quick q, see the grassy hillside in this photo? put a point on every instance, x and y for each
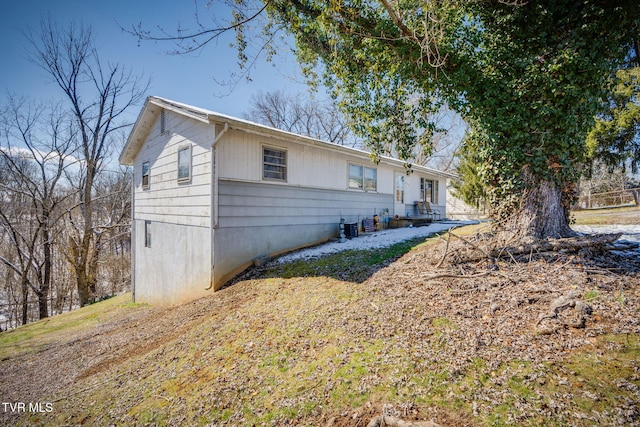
(339, 340)
(621, 216)
(37, 336)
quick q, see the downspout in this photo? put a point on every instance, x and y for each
(133, 239)
(214, 197)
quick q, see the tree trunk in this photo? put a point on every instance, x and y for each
(543, 212)
(84, 269)
(43, 307)
(25, 299)
(84, 294)
(45, 284)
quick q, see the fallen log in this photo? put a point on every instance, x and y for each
(568, 243)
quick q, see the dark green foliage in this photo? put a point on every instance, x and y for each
(615, 138)
(469, 187)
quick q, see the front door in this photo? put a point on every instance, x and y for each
(398, 203)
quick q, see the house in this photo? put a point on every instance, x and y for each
(213, 193)
(458, 209)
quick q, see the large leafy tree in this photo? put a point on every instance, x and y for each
(527, 76)
(615, 139)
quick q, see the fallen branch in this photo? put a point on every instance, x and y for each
(462, 291)
(446, 250)
(455, 276)
(472, 245)
(623, 246)
(569, 243)
(602, 241)
(385, 420)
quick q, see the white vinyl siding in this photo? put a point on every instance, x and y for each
(166, 199)
(163, 121)
(260, 218)
(240, 157)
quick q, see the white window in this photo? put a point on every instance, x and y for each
(274, 164)
(429, 190)
(184, 164)
(399, 188)
(362, 177)
(355, 176)
(147, 234)
(145, 175)
(370, 179)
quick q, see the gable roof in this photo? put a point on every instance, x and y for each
(153, 105)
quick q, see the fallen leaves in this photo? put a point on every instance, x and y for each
(403, 344)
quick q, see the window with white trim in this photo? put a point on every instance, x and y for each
(429, 190)
(362, 177)
(370, 179)
(399, 188)
(147, 234)
(184, 164)
(274, 164)
(355, 176)
(145, 175)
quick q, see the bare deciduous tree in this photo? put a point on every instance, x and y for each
(37, 142)
(98, 96)
(317, 119)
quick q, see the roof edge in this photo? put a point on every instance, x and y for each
(148, 114)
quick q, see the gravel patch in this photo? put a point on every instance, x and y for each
(378, 239)
(630, 233)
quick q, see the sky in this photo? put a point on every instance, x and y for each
(192, 79)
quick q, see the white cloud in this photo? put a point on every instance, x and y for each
(39, 155)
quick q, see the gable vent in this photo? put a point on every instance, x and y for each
(163, 121)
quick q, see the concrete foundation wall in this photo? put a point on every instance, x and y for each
(176, 267)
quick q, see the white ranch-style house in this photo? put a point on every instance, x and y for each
(213, 193)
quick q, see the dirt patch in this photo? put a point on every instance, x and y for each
(361, 417)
